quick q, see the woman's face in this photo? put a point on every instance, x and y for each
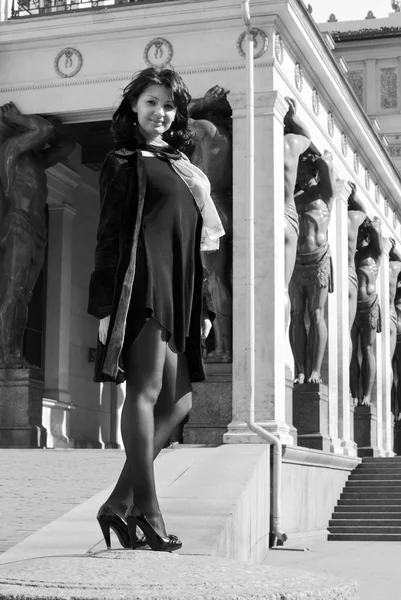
(156, 111)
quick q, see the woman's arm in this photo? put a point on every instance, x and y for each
(113, 188)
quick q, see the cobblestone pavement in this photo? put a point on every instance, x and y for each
(38, 486)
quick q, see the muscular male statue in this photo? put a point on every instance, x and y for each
(28, 146)
(356, 216)
(209, 120)
(394, 271)
(296, 141)
(312, 278)
(396, 388)
(367, 320)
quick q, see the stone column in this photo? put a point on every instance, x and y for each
(345, 410)
(270, 409)
(385, 441)
(61, 181)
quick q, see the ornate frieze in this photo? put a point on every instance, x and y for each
(356, 162)
(356, 81)
(367, 179)
(68, 62)
(330, 124)
(388, 88)
(279, 49)
(377, 194)
(344, 144)
(386, 207)
(158, 53)
(315, 102)
(299, 77)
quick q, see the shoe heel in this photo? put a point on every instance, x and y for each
(105, 527)
(131, 525)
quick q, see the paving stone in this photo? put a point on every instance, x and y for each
(146, 575)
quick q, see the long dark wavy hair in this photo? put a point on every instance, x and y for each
(124, 127)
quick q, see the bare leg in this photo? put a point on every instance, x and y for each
(354, 370)
(297, 332)
(352, 304)
(172, 406)
(368, 367)
(317, 334)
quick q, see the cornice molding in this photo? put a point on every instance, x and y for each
(366, 33)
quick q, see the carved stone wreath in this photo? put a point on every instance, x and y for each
(344, 144)
(260, 42)
(315, 102)
(158, 53)
(356, 162)
(279, 49)
(299, 77)
(330, 124)
(68, 62)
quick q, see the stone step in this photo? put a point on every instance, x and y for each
(384, 484)
(384, 469)
(391, 460)
(379, 476)
(364, 514)
(363, 537)
(351, 509)
(366, 522)
(367, 529)
(367, 493)
(352, 499)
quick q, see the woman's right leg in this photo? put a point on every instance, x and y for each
(173, 405)
(144, 364)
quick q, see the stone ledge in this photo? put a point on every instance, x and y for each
(145, 575)
(317, 458)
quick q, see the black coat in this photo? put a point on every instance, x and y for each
(122, 195)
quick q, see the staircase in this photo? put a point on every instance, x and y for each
(369, 508)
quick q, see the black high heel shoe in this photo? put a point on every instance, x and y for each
(108, 519)
(135, 518)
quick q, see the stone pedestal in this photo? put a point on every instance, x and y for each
(365, 430)
(311, 416)
(211, 407)
(397, 438)
(21, 392)
(55, 419)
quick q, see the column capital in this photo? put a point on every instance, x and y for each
(266, 103)
(343, 190)
(61, 207)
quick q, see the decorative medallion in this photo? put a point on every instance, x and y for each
(260, 42)
(344, 144)
(356, 162)
(377, 194)
(395, 220)
(68, 62)
(158, 53)
(299, 77)
(315, 102)
(279, 49)
(330, 124)
(386, 207)
(367, 179)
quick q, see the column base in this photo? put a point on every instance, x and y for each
(55, 420)
(21, 392)
(397, 438)
(311, 416)
(239, 433)
(211, 407)
(365, 431)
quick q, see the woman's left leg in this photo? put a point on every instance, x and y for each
(173, 405)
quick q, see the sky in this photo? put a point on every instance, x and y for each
(348, 10)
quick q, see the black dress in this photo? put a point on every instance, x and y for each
(168, 277)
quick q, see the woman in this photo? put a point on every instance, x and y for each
(149, 291)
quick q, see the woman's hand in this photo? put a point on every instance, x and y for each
(206, 327)
(103, 329)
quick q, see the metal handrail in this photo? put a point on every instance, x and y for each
(250, 195)
(34, 8)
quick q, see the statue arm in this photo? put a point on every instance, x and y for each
(326, 176)
(354, 202)
(61, 146)
(394, 254)
(293, 124)
(376, 237)
(31, 131)
(211, 100)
